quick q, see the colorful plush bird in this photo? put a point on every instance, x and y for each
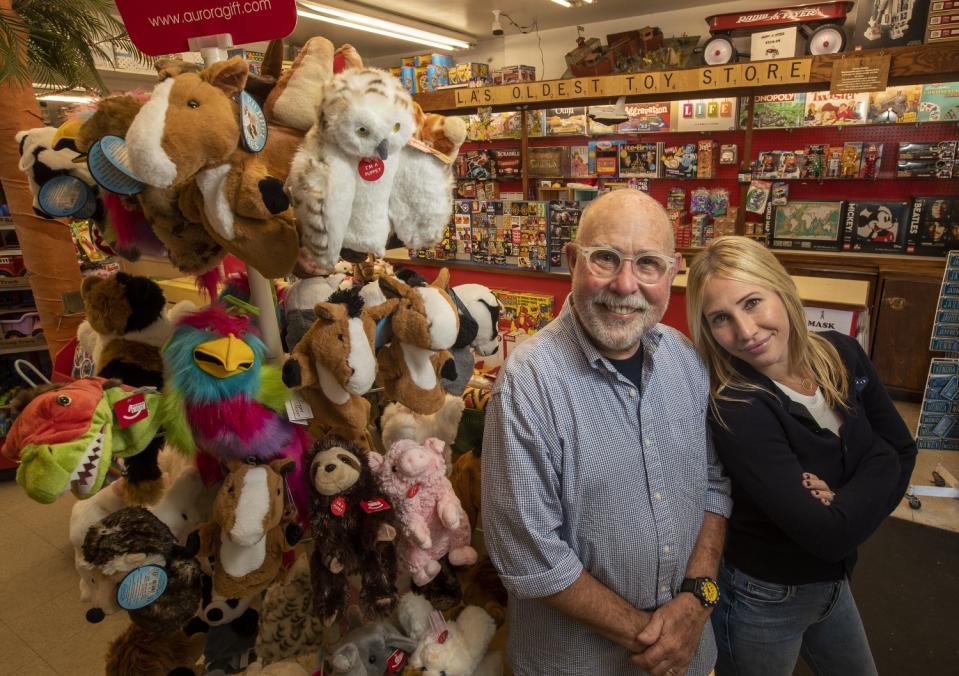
(226, 403)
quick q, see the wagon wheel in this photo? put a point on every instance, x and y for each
(719, 50)
(826, 39)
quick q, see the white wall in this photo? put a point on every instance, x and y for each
(515, 48)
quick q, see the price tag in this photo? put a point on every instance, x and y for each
(131, 410)
(141, 587)
(252, 123)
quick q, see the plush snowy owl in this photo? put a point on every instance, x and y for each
(342, 175)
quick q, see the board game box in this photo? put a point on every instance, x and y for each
(639, 160)
(776, 111)
(939, 102)
(807, 225)
(566, 121)
(934, 224)
(878, 227)
(563, 221)
(899, 104)
(825, 110)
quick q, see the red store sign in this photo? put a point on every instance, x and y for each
(166, 27)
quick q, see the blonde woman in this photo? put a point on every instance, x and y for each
(818, 457)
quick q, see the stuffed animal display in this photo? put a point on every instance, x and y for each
(432, 521)
(342, 176)
(455, 648)
(424, 326)
(352, 526)
(249, 534)
(147, 653)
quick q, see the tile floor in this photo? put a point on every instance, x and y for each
(42, 623)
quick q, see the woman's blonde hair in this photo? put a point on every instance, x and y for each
(743, 260)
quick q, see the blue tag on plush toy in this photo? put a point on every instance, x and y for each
(66, 196)
(141, 587)
(109, 164)
(252, 123)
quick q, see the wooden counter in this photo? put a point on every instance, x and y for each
(936, 512)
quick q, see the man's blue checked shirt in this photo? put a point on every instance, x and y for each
(581, 470)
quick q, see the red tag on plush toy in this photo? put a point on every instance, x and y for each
(371, 168)
(338, 506)
(131, 409)
(414, 489)
(375, 505)
(395, 662)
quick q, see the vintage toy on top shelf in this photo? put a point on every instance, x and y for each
(820, 23)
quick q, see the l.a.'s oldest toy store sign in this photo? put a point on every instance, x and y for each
(728, 76)
(166, 28)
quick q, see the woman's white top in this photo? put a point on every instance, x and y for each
(817, 407)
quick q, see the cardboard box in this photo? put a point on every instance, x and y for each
(780, 43)
(408, 78)
(942, 34)
(939, 6)
(513, 74)
(475, 74)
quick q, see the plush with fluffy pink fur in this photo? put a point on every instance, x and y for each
(432, 522)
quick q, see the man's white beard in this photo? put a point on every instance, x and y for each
(611, 335)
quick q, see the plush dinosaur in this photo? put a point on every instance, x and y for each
(66, 436)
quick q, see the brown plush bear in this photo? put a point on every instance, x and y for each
(352, 528)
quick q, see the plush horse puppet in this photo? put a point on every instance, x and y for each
(248, 535)
(424, 325)
(334, 366)
(189, 134)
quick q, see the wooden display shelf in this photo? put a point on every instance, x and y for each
(853, 261)
(909, 65)
(17, 308)
(6, 223)
(14, 284)
(17, 345)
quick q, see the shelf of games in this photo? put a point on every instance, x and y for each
(804, 167)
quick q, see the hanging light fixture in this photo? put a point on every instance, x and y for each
(377, 26)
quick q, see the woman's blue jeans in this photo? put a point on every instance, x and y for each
(763, 627)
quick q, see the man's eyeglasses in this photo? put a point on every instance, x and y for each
(604, 262)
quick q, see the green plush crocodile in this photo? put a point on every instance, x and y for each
(66, 437)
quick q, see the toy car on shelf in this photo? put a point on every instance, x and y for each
(12, 266)
(21, 326)
(820, 22)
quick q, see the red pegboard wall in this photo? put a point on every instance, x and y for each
(887, 186)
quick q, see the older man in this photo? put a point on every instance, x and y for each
(603, 501)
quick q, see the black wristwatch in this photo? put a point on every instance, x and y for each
(703, 588)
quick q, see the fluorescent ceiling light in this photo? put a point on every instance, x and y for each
(65, 98)
(564, 3)
(371, 24)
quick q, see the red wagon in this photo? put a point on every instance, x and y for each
(820, 22)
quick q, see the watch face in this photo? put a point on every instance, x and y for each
(710, 591)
